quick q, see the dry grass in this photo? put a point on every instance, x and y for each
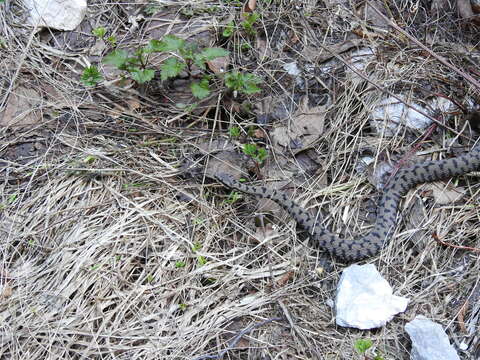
(110, 250)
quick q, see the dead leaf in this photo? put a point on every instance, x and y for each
(259, 134)
(6, 291)
(133, 103)
(305, 128)
(310, 122)
(219, 65)
(367, 12)
(466, 12)
(264, 232)
(285, 278)
(445, 195)
(264, 51)
(21, 108)
(250, 6)
(314, 54)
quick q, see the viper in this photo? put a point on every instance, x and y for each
(370, 244)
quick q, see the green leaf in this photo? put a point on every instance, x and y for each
(112, 40)
(234, 131)
(142, 76)
(117, 58)
(186, 107)
(154, 46)
(362, 345)
(196, 246)
(168, 43)
(213, 53)
(262, 154)
(228, 31)
(233, 197)
(200, 89)
(189, 51)
(207, 55)
(202, 260)
(250, 149)
(244, 83)
(171, 68)
(247, 24)
(99, 32)
(180, 264)
(91, 76)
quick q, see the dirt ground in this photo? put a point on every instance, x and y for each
(118, 243)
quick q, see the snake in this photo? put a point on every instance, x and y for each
(370, 244)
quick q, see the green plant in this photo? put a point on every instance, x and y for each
(362, 345)
(258, 154)
(99, 32)
(202, 260)
(233, 197)
(234, 131)
(152, 8)
(187, 54)
(149, 278)
(243, 83)
(233, 2)
(201, 89)
(228, 29)
(245, 46)
(135, 64)
(196, 246)
(112, 40)
(91, 76)
(248, 23)
(180, 264)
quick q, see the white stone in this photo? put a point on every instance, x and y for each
(429, 341)
(56, 14)
(292, 69)
(364, 299)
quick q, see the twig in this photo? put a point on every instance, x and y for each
(437, 238)
(452, 67)
(237, 338)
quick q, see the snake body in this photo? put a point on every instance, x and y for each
(370, 244)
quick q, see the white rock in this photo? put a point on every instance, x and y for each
(364, 299)
(292, 69)
(429, 341)
(390, 112)
(56, 14)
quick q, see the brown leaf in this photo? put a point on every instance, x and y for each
(367, 12)
(20, 109)
(219, 65)
(466, 12)
(250, 6)
(6, 291)
(444, 195)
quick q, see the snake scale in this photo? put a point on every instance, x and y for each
(370, 244)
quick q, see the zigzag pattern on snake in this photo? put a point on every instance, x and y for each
(370, 244)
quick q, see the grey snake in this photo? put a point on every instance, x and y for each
(370, 244)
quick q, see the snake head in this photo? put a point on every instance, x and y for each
(225, 179)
